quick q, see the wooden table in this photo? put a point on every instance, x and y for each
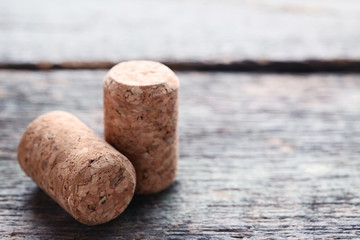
(262, 156)
(200, 30)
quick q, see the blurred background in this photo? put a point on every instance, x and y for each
(200, 30)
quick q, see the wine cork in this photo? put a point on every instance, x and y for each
(140, 117)
(85, 175)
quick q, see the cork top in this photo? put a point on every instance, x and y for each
(143, 73)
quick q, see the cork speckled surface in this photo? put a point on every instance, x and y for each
(80, 171)
(140, 118)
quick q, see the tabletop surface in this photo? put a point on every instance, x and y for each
(261, 155)
(200, 30)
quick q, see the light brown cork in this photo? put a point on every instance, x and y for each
(85, 175)
(141, 113)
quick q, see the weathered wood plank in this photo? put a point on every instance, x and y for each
(262, 156)
(199, 30)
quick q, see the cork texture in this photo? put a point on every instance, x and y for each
(140, 117)
(85, 175)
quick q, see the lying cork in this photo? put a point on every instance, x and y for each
(141, 113)
(80, 171)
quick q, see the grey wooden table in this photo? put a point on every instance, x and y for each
(262, 156)
(218, 30)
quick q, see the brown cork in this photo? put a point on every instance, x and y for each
(75, 167)
(141, 112)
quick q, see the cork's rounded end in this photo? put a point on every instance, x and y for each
(143, 73)
(101, 193)
(21, 148)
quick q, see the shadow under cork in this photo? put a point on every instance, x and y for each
(137, 221)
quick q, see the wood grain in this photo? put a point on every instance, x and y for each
(261, 156)
(92, 30)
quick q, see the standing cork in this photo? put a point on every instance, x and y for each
(141, 112)
(80, 171)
